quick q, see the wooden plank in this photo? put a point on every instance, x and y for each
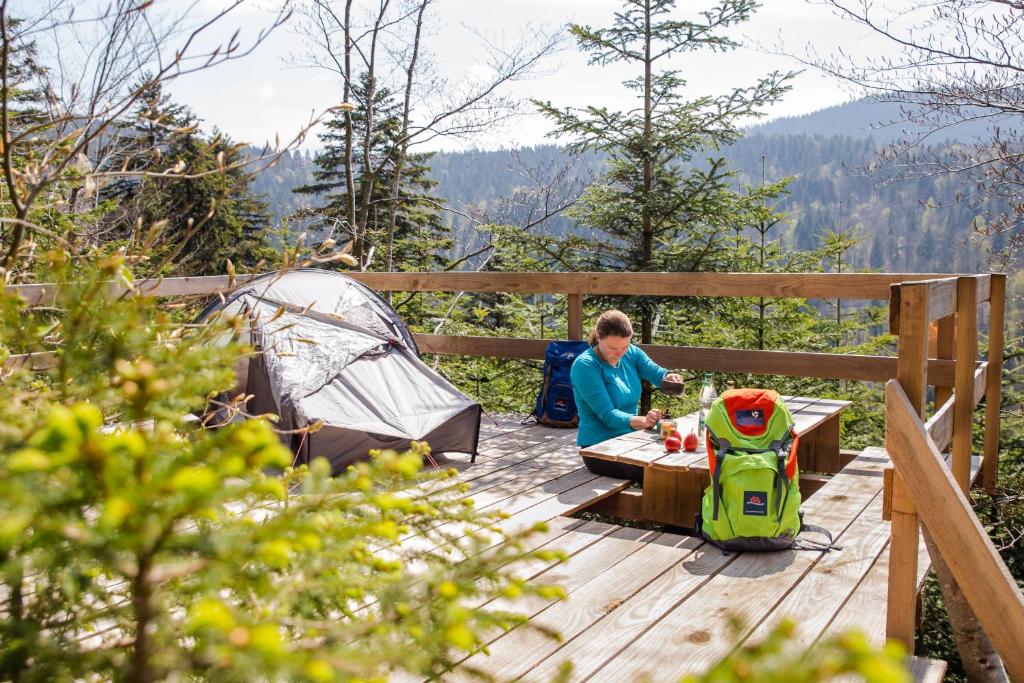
(911, 375)
(987, 585)
(942, 297)
(530, 441)
(45, 294)
(826, 446)
(823, 591)
(926, 670)
(776, 285)
(887, 475)
(516, 653)
(966, 353)
(659, 496)
(980, 383)
(492, 425)
(846, 456)
(508, 487)
(498, 347)
(707, 359)
(862, 609)
(749, 587)
(511, 498)
(574, 316)
(35, 362)
(781, 285)
(945, 348)
(984, 287)
(626, 504)
(810, 483)
(591, 648)
(613, 449)
(993, 382)
(942, 301)
(976, 462)
(940, 425)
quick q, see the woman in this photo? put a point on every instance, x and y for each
(606, 385)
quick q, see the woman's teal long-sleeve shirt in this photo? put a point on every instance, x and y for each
(607, 397)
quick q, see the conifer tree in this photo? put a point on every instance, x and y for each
(657, 208)
(209, 213)
(417, 239)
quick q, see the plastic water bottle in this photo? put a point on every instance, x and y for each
(707, 397)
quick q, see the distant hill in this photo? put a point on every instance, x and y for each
(883, 122)
(898, 223)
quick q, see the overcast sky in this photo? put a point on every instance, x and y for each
(266, 94)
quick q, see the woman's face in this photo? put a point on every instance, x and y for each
(612, 348)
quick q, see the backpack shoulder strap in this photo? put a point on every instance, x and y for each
(808, 544)
(722, 448)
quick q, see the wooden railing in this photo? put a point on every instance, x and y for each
(920, 304)
(951, 304)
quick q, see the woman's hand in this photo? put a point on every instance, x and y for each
(645, 421)
(674, 377)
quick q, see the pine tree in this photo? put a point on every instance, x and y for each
(209, 213)
(655, 209)
(419, 239)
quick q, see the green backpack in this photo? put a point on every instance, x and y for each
(753, 502)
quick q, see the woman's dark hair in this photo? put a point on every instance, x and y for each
(614, 323)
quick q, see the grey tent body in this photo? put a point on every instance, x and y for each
(329, 349)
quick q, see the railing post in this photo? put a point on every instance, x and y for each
(966, 354)
(911, 371)
(945, 348)
(994, 379)
(575, 315)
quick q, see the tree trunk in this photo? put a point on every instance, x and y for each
(646, 321)
(396, 181)
(980, 659)
(142, 610)
(350, 185)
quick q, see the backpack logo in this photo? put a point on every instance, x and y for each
(749, 418)
(755, 503)
(561, 403)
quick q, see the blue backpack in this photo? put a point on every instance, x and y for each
(556, 406)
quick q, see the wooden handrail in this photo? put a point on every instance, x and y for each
(784, 363)
(865, 286)
(984, 288)
(43, 294)
(940, 425)
(942, 297)
(700, 359)
(980, 383)
(987, 584)
(942, 293)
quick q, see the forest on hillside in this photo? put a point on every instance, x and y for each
(156, 522)
(900, 225)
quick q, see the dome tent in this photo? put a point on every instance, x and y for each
(328, 348)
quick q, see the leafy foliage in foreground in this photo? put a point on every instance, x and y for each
(776, 660)
(134, 544)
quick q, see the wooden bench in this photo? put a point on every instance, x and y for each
(674, 482)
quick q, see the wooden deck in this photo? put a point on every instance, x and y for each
(657, 605)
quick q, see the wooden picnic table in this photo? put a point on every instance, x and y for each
(674, 482)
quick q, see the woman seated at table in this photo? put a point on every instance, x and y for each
(606, 385)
